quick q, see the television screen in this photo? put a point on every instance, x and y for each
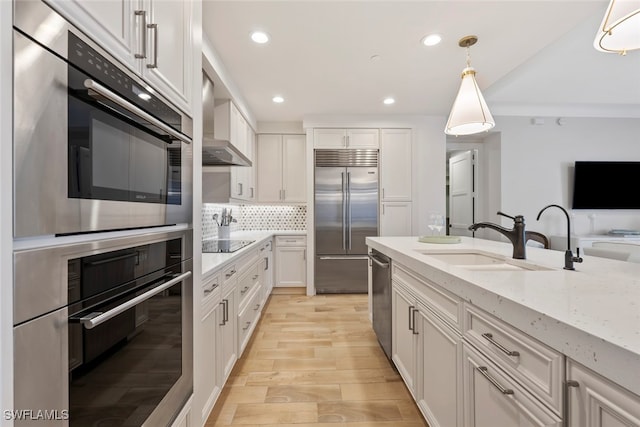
(606, 185)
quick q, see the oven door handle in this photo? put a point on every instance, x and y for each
(92, 320)
(96, 90)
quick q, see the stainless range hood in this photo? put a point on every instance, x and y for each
(216, 152)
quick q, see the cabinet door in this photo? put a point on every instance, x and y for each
(329, 138)
(250, 172)
(363, 138)
(269, 168)
(395, 219)
(112, 23)
(208, 373)
(395, 165)
(596, 402)
(227, 333)
(492, 398)
(291, 266)
(169, 49)
(440, 356)
(403, 341)
(294, 173)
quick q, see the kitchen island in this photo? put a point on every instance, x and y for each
(591, 315)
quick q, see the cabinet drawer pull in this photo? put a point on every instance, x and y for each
(411, 319)
(572, 383)
(244, 290)
(257, 307)
(484, 372)
(246, 327)
(256, 276)
(489, 337)
(413, 315)
(229, 274)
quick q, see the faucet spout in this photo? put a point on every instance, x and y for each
(516, 235)
(569, 259)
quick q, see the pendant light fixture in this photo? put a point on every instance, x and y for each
(620, 28)
(469, 113)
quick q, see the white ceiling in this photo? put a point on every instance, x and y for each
(532, 57)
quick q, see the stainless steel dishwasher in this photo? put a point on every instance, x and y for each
(381, 299)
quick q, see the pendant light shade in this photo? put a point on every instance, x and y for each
(469, 113)
(620, 28)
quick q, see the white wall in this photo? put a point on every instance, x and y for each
(536, 168)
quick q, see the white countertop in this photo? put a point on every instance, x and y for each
(591, 315)
(211, 262)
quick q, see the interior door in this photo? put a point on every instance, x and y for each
(461, 193)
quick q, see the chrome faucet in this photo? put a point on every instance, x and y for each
(569, 259)
(517, 235)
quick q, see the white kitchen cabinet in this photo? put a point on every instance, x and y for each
(440, 356)
(346, 138)
(404, 337)
(227, 316)
(243, 180)
(291, 261)
(150, 37)
(208, 374)
(493, 398)
(395, 165)
(594, 401)
(230, 125)
(266, 254)
(281, 168)
(395, 218)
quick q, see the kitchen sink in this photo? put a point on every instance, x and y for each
(482, 261)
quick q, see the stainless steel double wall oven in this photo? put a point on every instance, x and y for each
(95, 148)
(103, 330)
(103, 322)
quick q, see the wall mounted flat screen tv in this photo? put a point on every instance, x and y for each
(606, 185)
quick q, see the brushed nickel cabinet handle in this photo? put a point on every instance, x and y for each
(246, 327)
(154, 27)
(484, 372)
(489, 337)
(142, 13)
(244, 290)
(415, 310)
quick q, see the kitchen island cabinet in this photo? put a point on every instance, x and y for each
(520, 322)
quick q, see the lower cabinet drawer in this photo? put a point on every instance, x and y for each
(247, 282)
(291, 240)
(494, 398)
(248, 318)
(538, 367)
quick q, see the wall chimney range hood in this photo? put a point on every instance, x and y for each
(218, 152)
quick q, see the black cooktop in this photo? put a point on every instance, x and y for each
(224, 245)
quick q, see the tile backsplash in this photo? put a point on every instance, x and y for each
(255, 217)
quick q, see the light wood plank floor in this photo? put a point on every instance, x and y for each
(315, 361)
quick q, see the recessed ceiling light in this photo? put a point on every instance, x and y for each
(260, 37)
(432, 40)
(278, 99)
(389, 101)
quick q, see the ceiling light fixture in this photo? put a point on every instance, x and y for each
(432, 40)
(469, 113)
(620, 28)
(389, 101)
(260, 37)
(277, 99)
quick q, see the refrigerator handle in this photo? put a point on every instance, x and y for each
(344, 214)
(349, 206)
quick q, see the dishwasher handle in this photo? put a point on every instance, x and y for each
(379, 263)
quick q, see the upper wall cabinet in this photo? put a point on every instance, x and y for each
(281, 169)
(395, 165)
(150, 37)
(346, 138)
(230, 125)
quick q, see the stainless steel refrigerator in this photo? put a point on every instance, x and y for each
(346, 212)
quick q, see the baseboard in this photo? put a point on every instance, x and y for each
(289, 291)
